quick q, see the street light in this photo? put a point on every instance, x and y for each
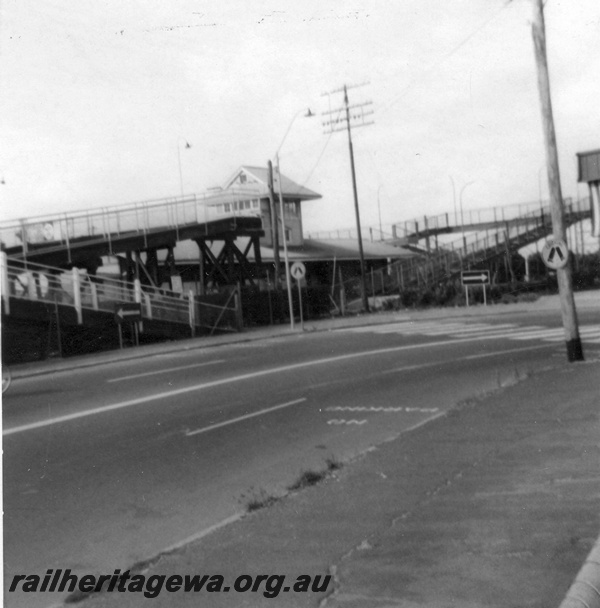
(288, 278)
(379, 211)
(462, 221)
(187, 146)
(453, 197)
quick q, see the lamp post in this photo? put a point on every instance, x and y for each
(454, 198)
(187, 146)
(379, 212)
(462, 221)
(288, 278)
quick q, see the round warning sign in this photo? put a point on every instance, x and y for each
(298, 270)
(555, 254)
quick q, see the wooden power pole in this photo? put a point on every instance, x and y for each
(358, 115)
(274, 231)
(564, 275)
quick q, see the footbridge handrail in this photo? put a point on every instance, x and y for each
(472, 249)
(139, 217)
(442, 221)
(83, 291)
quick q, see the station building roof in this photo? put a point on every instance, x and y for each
(186, 252)
(256, 179)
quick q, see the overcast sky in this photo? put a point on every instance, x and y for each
(99, 97)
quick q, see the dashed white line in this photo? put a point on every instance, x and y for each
(360, 408)
(342, 421)
(222, 381)
(249, 376)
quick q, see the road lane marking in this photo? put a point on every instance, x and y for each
(474, 330)
(362, 408)
(468, 329)
(584, 333)
(230, 380)
(164, 371)
(342, 421)
(218, 425)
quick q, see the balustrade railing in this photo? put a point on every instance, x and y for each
(469, 250)
(80, 291)
(105, 223)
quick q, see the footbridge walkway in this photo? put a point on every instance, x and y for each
(49, 268)
(482, 241)
(79, 238)
(486, 235)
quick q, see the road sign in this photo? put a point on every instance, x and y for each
(298, 270)
(555, 254)
(128, 311)
(475, 277)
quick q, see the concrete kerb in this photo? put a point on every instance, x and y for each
(585, 590)
(26, 370)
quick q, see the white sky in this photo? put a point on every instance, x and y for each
(97, 97)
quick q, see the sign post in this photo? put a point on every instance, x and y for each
(130, 312)
(475, 277)
(298, 271)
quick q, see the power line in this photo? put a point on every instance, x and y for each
(445, 57)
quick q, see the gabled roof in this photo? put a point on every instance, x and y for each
(257, 179)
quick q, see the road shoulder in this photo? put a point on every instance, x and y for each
(494, 504)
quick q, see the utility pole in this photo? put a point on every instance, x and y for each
(358, 116)
(274, 231)
(564, 275)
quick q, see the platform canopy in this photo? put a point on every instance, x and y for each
(186, 252)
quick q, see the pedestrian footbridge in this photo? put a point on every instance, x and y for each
(50, 280)
(81, 237)
(452, 242)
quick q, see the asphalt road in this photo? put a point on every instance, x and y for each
(108, 466)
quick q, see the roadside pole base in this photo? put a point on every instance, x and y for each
(574, 350)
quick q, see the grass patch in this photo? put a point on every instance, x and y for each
(311, 478)
(255, 499)
(333, 464)
(259, 500)
(306, 479)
